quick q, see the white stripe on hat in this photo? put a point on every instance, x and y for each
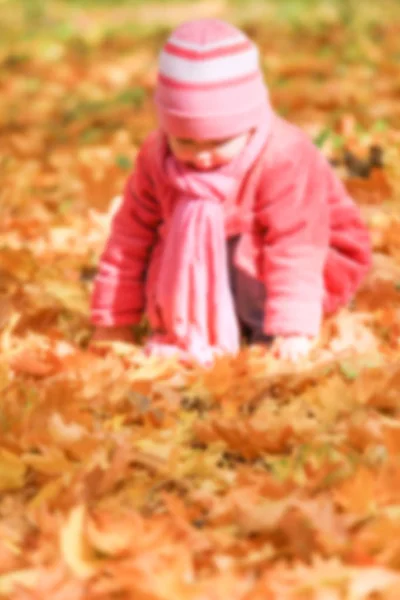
(231, 41)
(210, 70)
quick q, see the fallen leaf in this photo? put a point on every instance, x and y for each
(12, 471)
(74, 545)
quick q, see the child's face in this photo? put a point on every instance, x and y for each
(207, 154)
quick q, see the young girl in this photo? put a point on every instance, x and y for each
(232, 222)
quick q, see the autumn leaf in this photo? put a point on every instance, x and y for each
(65, 433)
(12, 471)
(75, 547)
(26, 578)
(357, 493)
(109, 534)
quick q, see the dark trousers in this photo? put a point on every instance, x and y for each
(249, 297)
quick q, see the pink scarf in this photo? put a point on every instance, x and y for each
(193, 307)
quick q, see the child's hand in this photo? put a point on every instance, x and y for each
(292, 347)
(121, 333)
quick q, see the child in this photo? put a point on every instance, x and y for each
(232, 222)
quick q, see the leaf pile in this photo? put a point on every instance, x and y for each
(123, 476)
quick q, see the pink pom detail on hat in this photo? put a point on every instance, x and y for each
(210, 85)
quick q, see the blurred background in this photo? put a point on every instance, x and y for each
(76, 82)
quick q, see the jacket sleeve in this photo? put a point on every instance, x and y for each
(118, 296)
(294, 216)
(350, 253)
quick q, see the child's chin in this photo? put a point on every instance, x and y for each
(211, 167)
(205, 167)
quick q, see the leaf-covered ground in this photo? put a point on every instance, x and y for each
(122, 477)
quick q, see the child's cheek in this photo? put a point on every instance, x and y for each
(222, 157)
(183, 154)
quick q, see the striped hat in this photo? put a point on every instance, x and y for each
(209, 85)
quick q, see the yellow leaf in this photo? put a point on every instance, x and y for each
(75, 547)
(54, 462)
(69, 294)
(12, 471)
(27, 577)
(110, 535)
(7, 330)
(47, 492)
(154, 369)
(368, 582)
(65, 433)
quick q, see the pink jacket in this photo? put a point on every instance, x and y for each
(303, 236)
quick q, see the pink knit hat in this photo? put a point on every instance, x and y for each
(210, 85)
